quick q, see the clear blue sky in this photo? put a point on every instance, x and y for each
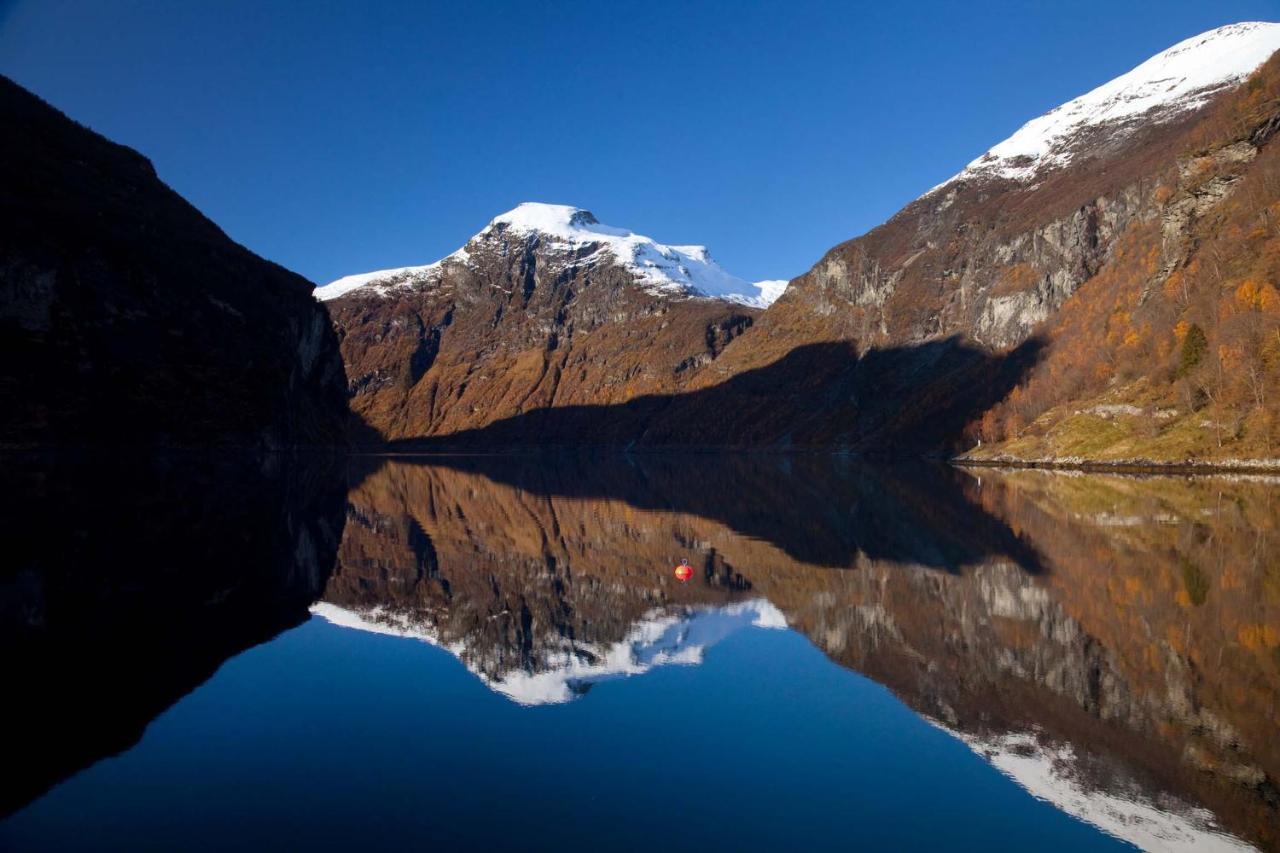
(342, 137)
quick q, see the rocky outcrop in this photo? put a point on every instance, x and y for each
(983, 256)
(1167, 354)
(128, 318)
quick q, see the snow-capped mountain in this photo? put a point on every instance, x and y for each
(993, 253)
(544, 306)
(677, 270)
(1169, 84)
(677, 636)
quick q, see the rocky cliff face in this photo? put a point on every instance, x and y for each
(543, 308)
(994, 251)
(1105, 230)
(127, 318)
(1168, 352)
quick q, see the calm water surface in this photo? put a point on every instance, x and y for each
(474, 652)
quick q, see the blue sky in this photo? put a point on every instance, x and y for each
(335, 138)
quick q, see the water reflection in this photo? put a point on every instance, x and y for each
(1112, 644)
(567, 669)
(1108, 642)
(127, 581)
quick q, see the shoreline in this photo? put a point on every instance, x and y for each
(1269, 466)
(1128, 466)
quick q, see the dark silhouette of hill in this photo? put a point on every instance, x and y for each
(128, 318)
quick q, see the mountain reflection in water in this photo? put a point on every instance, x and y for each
(1112, 644)
(127, 581)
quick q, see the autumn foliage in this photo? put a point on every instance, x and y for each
(1184, 316)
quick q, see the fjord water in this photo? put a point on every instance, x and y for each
(468, 652)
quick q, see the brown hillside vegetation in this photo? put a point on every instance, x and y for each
(1171, 351)
(522, 328)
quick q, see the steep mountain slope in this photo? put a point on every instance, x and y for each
(544, 307)
(1134, 184)
(1171, 351)
(1175, 81)
(996, 249)
(126, 317)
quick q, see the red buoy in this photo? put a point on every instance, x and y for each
(684, 571)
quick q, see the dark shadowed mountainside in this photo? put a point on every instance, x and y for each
(127, 317)
(912, 398)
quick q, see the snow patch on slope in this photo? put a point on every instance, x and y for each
(659, 639)
(679, 270)
(769, 291)
(384, 280)
(1167, 85)
(348, 283)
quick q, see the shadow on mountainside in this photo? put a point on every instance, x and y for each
(902, 400)
(820, 509)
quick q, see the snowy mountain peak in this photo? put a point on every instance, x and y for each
(681, 270)
(1167, 85)
(533, 216)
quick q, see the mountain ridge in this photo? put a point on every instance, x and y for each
(686, 270)
(1000, 262)
(1176, 80)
